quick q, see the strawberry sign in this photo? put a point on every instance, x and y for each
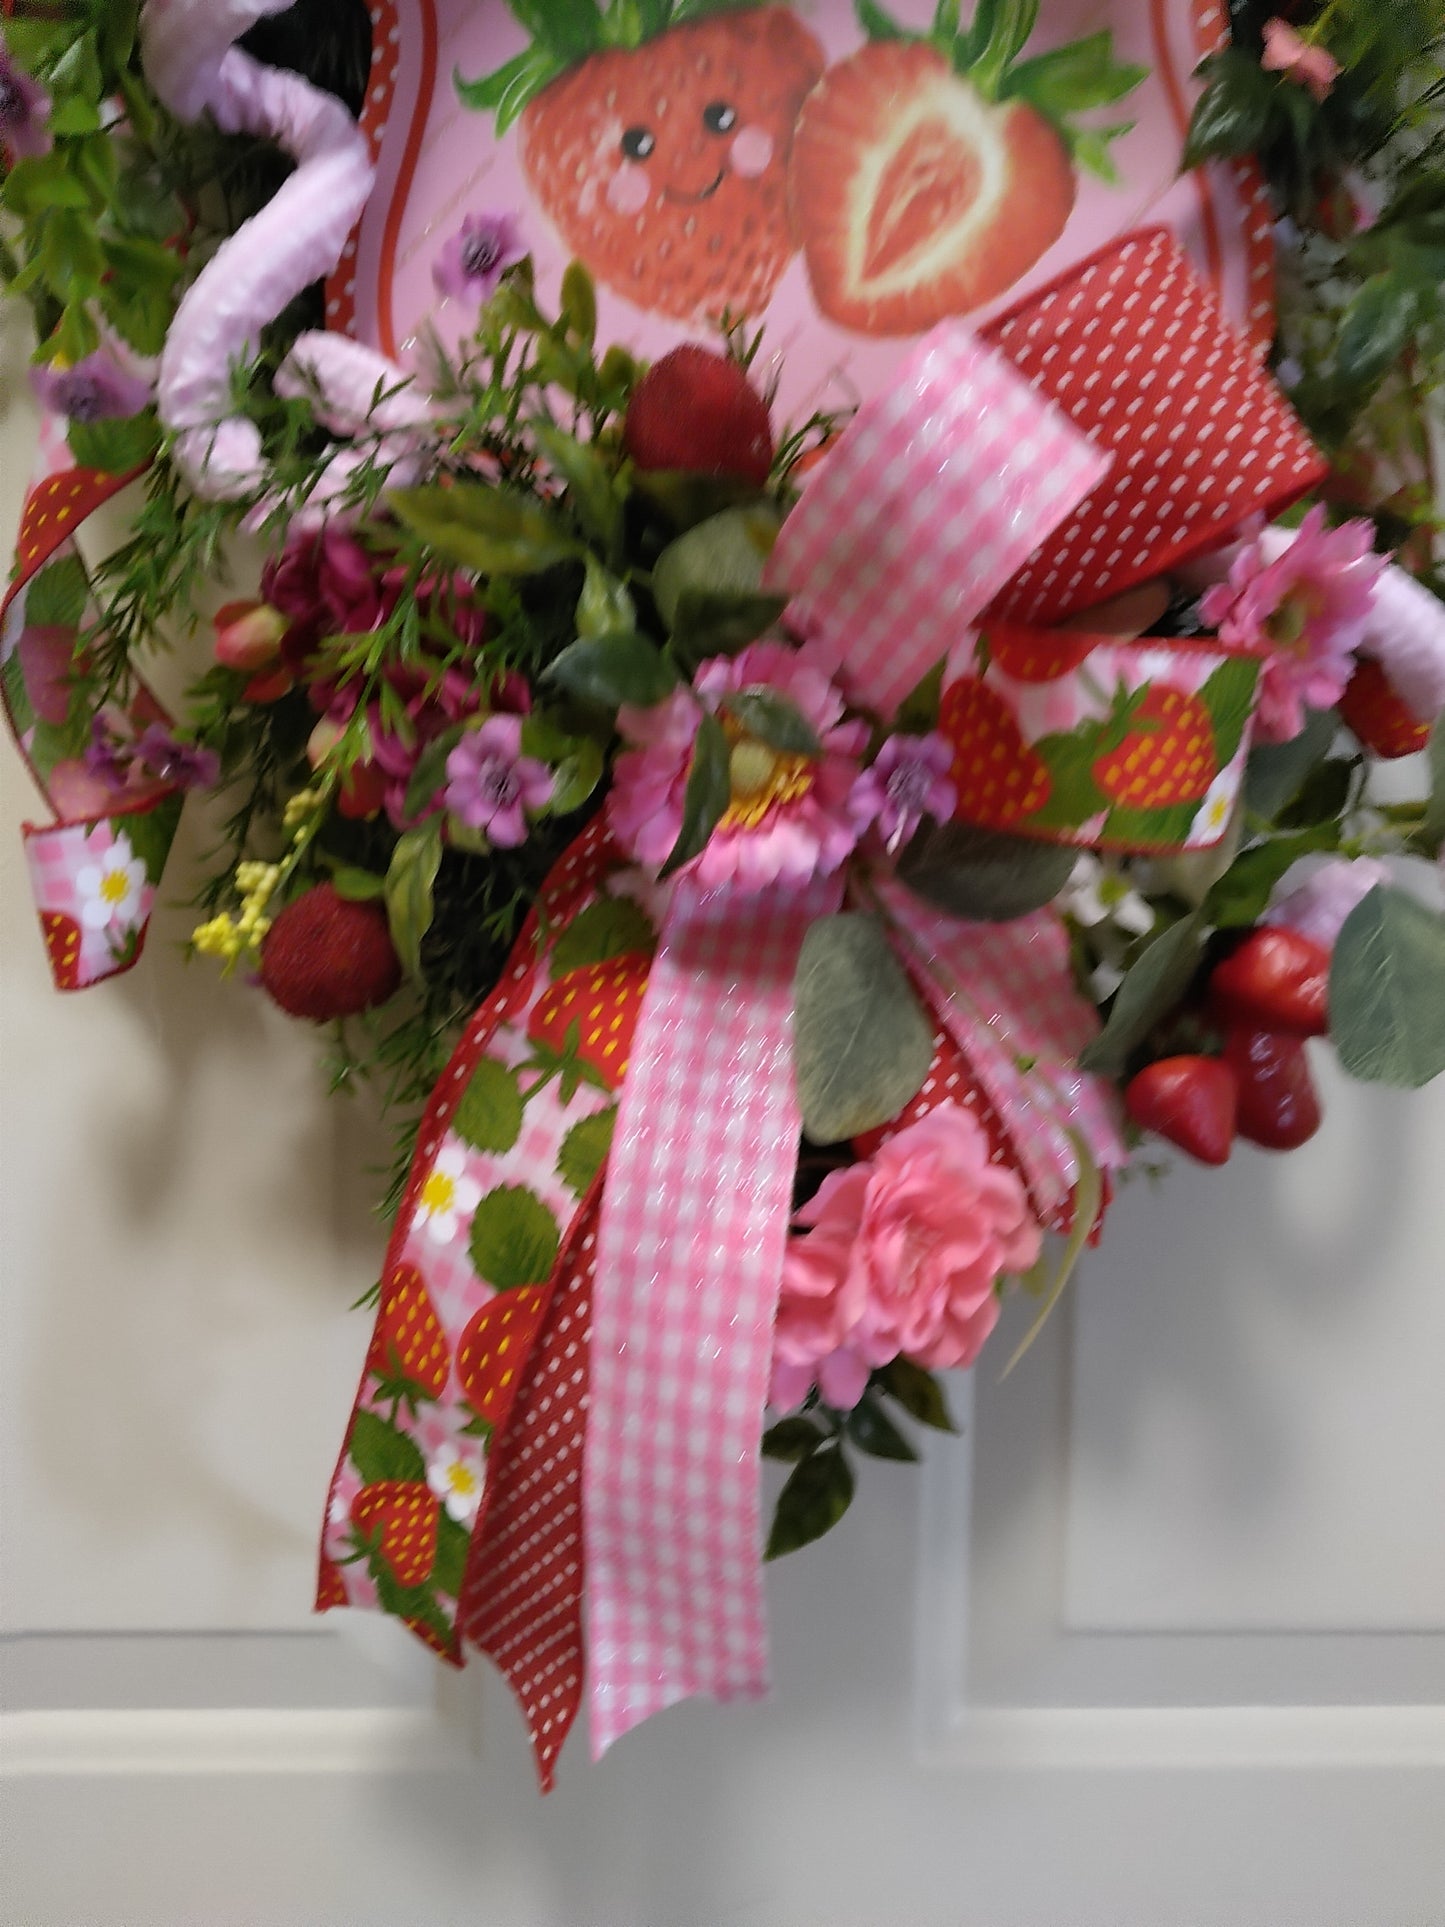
(846, 175)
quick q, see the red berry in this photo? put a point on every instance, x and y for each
(1188, 1100)
(697, 410)
(1378, 715)
(326, 956)
(1278, 1105)
(1277, 979)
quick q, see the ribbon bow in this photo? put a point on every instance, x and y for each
(590, 1256)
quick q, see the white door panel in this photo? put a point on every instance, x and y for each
(1157, 1644)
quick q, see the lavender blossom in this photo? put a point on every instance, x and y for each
(93, 390)
(477, 256)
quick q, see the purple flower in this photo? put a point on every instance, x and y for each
(96, 389)
(907, 780)
(185, 765)
(24, 110)
(490, 783)
(477, 256)
(108, 755)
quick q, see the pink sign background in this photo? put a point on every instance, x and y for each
(439, 161)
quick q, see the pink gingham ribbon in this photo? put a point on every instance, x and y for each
(939, 491)
(1005, 993)
(689, 1264)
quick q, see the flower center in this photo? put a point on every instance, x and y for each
(761, 779)
(12, 102)
(113, 887)
(83, 400)
(908, 787)
(480, 254)
(460, 1479)
(498, 785)
(1286, 627)
(438, 1193)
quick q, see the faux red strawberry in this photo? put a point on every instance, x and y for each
(1378, 715)
(1278, 1105)
(405, 1513)
(495, 1345)
(998, 777)
(1167, 757)
(1191, 1101)
(408, 1353)
(62, 943)
(590, 1014)
(327, 956)
(697, 410)
(662, 161)
(1277, 979)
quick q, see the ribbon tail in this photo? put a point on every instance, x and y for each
(521, 1602)
(690, 1257)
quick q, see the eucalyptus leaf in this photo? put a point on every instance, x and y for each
(494, 531)
(1149, 991)
(621, 667)
(862, 1045)
(818, 1492)
(724, 555)
(1276, 772)
(985, 875)
(708, 792)
(410, 880)
(1387, 990)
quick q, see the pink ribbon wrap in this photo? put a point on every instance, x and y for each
(689, 1265)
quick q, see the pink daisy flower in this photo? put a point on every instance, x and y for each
(1302, 601)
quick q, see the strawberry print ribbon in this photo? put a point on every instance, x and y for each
(93, 871)
(689, 1266)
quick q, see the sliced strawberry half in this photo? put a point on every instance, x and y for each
(914, 197)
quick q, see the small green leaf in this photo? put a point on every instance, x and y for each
(986, 875)
(722, 556)
(1228, 695)
(494, 531)
(1276, 772)
(604, 604)
(708, 793)
(1232, 112)
(357, 886)
(1149, 991)
(589, 481)
(873, 1432)
(792, 1439)
(489, 1116)
(610, 927)
(818, 1492)
(151, 833)
(1323, 796)
(583, 1151)
(379, 1451)
(862, 1044)
(410, 879)
(919, 1393)
(1387, 990)
(579, 303)
(1375, 329)
(514, 1238)
(622, 667)
(773, 720)
(430, 771)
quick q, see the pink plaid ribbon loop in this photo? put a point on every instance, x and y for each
(934, 497)
(689, 1264)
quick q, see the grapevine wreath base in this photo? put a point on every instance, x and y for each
(779, 869)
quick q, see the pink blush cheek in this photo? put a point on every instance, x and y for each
(751, 154)
(628, 191)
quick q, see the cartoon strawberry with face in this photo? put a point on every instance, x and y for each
(930, 171)
(662, 160)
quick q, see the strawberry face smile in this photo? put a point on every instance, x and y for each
(692, 200)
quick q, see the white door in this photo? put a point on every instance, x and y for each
(1160, 1643)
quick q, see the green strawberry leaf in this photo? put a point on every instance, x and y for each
(1071, 79)
(1228, 695)
(877, 24)
(818, 1492)
(489, 1116)
(379, 1451)
(1161, 829)
(610, 927)
(583, 1151)
(1075, 795)
(514, 1238)
(151, 833)
(17, 696)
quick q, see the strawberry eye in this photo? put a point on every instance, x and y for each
(719, 118)
(637, 143)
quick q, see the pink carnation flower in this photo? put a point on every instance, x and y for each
(1301, 600)
(903, 1256)
(788, 814)
(1287, 52)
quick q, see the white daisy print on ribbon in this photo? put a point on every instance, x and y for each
(448, 1197)
(111, 890)
(456, 1479)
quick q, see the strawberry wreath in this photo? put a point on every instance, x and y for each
(783, 866)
